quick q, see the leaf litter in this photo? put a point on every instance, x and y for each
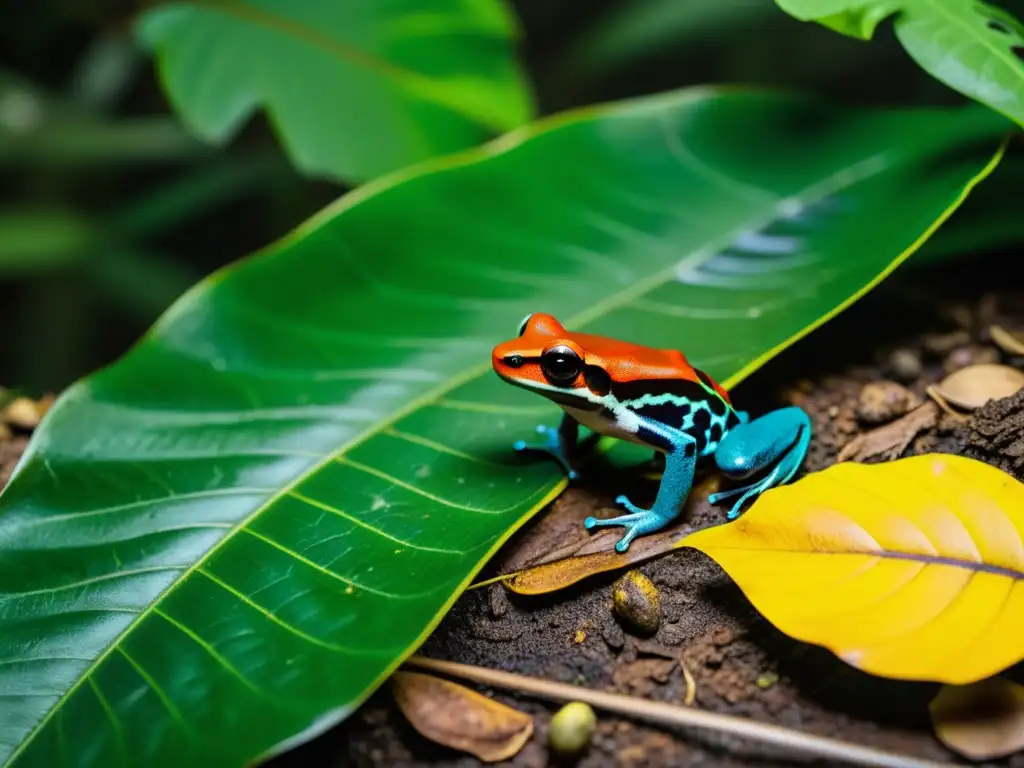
(460, 718)
(981, 721)
(972, 387)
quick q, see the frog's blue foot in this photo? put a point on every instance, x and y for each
(553, 446)
(784, 435)
(637, 523)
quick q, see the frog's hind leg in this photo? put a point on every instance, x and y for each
(676, 481)
(780, 437)
(559, 443)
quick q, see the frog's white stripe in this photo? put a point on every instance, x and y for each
(665, 397)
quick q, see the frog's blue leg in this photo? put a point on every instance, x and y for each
(559, 443)
(780, 437)
(676, 481)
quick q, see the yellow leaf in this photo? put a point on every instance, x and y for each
(982, 721)
(457, 717)
(910, 569)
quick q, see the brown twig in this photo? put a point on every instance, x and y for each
(672, 714)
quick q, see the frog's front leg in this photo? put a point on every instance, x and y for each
(780, 438)
(560, 442)
(677, 479)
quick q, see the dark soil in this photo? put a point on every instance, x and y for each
(740, 663)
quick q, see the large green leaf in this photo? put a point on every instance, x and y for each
(354, 89)
(224, 542)
(990, 219)
(971, 46)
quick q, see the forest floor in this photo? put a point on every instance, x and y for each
(740, 663)
(934, 321)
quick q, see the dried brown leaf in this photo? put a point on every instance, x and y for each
(1011, 343)
(458, 717)
(890, 440)
(983, 720)
(972, 387)
(551, 577)
(556, 564)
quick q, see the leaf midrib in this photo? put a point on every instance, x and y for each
(816, 191)
(413, 82)
(886, 554)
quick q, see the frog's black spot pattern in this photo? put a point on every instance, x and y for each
(699, 430)
(717, 406)
(689, 450)
(716, 433)
(669, 413)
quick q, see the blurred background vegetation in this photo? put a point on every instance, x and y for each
(109, 209)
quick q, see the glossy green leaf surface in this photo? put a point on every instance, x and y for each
(225, 541)
(353, 89)
(971, 46)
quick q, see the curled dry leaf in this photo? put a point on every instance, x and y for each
(911, 569)
(457, 717)
(1011, 343)
(551, 577)
(972, 387)
(981, 721)
(554, 566)
(891, 440)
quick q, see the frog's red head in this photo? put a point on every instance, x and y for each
(579, 369)
(549, 360)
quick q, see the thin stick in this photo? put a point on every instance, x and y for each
(671, 714)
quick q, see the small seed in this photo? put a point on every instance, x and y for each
(905, 364)
(637, 602)
(882, 401)
(571, 728)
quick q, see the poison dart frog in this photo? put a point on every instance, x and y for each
(653, 397)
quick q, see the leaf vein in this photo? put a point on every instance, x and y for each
(366, 526)
(266, 612)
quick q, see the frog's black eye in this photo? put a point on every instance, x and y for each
(561, 365)
(522, 325)
(513, 361)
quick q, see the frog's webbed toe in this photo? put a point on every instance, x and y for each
(638, 522)
(551, 445)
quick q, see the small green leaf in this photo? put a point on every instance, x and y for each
(354, 89)
(223, 543)
(971, 46)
